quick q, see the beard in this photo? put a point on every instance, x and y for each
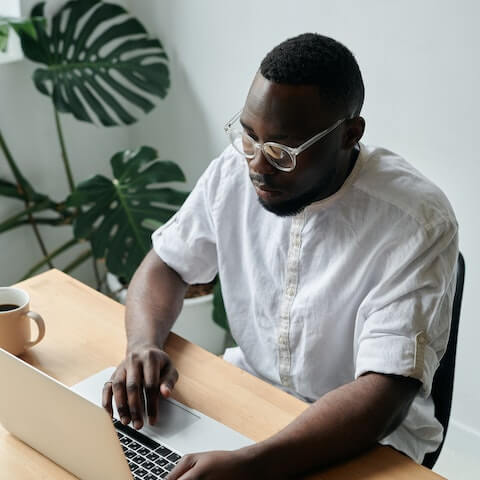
(297, 204)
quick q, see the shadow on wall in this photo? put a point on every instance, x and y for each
(180, 128)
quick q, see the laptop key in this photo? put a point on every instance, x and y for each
(143, 451)
(152, 456)
(135, 446)
(150, 477)
(148, 465)
(157, 470)
(139, 459)
(164, 451)
(140, 473)
(130, 453)
(136, 435)
(174, 457)
(125, 440)
(161, 462)
(133, 467)
(169, 467)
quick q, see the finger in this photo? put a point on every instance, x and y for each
(134, 385)
(151, 377)
(184, 465)
(120, 394)
(107, 394)
(142, 404)
(168, 379)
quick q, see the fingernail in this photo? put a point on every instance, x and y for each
(125, 420)
(137, 424)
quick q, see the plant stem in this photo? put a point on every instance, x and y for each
(56, 252)
(36, 231)
(18, 177)
(37, 221)
(11, 162)
(7, 224)
(66, 162)
(97, 275)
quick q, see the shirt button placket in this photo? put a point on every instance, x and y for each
(284, 353)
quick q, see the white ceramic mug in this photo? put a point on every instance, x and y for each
(15, 315)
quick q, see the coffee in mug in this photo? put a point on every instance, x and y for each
(15, 316)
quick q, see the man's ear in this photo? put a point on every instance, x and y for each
(353, 132)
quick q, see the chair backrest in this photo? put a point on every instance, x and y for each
(442, 387)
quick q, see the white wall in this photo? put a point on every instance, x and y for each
(420, 65)
(28, 126)
(421, 70)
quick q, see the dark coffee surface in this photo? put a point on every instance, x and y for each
(5, 307)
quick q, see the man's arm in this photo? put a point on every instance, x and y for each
(341, 424)
(154, 301)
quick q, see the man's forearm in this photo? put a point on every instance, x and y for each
(154, 301)
(339, 425)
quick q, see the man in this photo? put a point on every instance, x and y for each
(337, 263)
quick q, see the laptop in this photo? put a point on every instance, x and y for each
(69, 426)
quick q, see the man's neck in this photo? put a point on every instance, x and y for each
(344, 173)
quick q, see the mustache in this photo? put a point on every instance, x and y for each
(261, 180)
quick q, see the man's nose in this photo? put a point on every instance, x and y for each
(261, 165)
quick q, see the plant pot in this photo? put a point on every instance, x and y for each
(194, 322)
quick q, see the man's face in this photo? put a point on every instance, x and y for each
(290, 115)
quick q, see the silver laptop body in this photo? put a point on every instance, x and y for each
(69, 426)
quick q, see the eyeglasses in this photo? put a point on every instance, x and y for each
(280, 156)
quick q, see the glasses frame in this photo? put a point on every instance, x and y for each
(293, 152)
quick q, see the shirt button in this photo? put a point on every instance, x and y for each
(421, 338)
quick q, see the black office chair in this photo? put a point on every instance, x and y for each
(442, 387)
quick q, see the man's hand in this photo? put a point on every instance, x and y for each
(145, 367)
(217, 465)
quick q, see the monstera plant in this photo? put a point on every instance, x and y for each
(99, 64)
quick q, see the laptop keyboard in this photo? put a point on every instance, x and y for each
(148, 459)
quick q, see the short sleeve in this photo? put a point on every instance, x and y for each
(187, 242)
(404, 322)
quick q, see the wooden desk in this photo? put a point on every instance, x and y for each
(85, 334)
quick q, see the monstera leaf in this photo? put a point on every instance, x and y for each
(101, 66)
(117, 215)
(20, 25)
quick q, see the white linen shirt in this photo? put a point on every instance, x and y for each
(361, 281)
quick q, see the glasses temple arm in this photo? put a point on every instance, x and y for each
(317, 137)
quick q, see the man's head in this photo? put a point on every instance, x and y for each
(304, 86)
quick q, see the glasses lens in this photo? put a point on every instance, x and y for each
(278, 155)
(242, 143)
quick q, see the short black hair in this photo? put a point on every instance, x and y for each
(313, 59)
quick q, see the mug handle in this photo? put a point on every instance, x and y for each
(41, 328)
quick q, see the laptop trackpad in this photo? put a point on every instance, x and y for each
(177, 425)
(173, 418)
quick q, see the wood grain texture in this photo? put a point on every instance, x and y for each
(85, 334)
